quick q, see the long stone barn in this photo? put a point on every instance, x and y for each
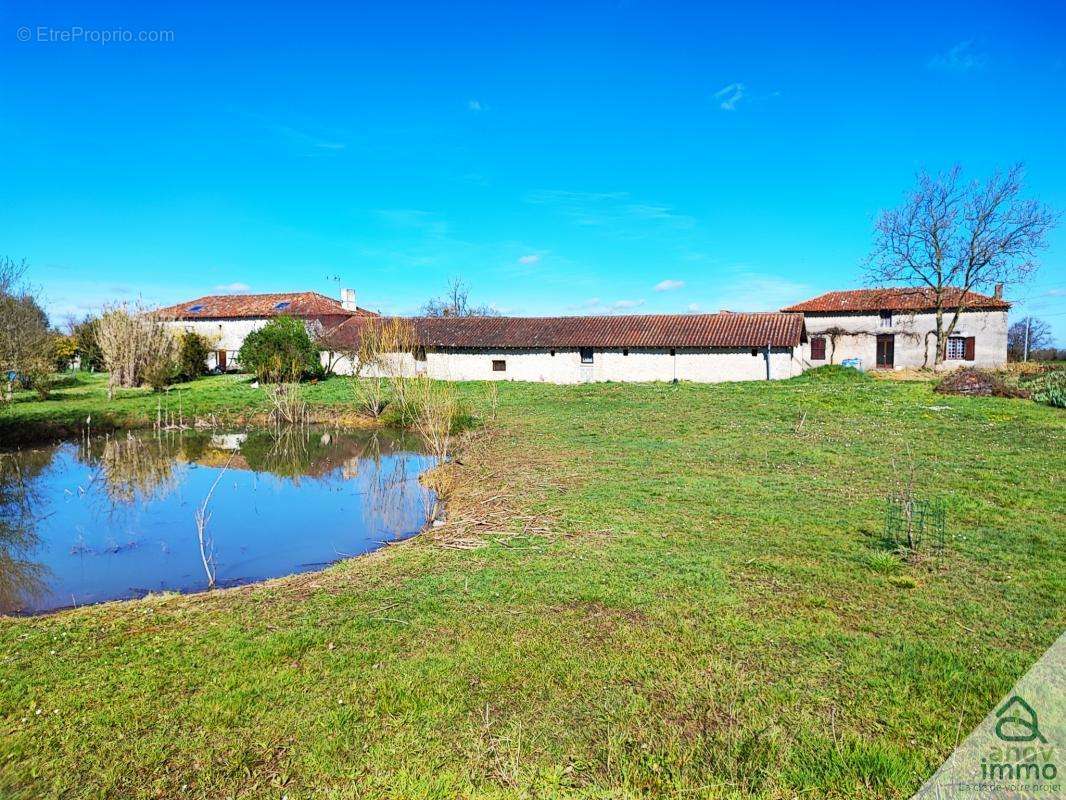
(705, 348)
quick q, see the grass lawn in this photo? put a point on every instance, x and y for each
(642, 590)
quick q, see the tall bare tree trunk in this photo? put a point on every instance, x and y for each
(941, 344)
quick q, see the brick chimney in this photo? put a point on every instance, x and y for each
(348, 299)
(998, 294)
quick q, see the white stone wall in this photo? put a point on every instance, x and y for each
(221, 334)
(915, 342)
(701, 365)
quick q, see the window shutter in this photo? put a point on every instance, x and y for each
(968, 347)
(818, 348)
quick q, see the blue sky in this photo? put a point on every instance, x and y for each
(561, 158)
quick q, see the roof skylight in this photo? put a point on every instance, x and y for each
(194, 309)
(282, 305)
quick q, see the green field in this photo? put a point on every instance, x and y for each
(642, 590)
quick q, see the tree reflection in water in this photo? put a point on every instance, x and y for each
(21, 580)
(139, 467)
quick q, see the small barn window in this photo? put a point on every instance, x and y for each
(673, 351)
(420, 353)
(499, 365)
(817, 348)
(886, 319)
(625, 351)
(586, 355)
(755, 351)
(553, 352)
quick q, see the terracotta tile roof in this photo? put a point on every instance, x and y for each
(645, 330)
(916, 298)
(237, 306)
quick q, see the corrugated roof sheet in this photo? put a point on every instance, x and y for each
(916, 298)
(644, 330)
(236, 306)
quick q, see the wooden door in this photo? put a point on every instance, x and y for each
(221, 360)
(886, 351)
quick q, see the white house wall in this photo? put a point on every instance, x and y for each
(223, 334)
(915, 342)
(700, 365)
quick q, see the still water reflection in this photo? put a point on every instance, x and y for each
(119, 516)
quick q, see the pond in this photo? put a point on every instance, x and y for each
(119, 516)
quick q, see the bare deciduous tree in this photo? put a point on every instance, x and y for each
(137, 347)
(950, 234)
(1026, 335)
(455, 302)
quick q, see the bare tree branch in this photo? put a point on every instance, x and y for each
(952, 238)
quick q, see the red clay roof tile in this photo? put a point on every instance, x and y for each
(644, 330)
(915, 298)
(236, 306)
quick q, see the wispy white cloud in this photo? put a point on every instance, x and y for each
(531, 258)
(474, 105)
(694, 308)
(668, 285)
(962, 57)
(729, 96)
(614, 211)
(235, 288)
(303, 138)
(307, 136)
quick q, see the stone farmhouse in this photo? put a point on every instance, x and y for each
(896, 328)
(875, 328)
(225, 319)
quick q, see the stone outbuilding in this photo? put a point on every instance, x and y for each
(704, 348)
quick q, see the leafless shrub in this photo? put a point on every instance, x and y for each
(398, 343)
(379, 366)
(286, 405)
(203, 517)
(137, 347)
(436, 409)
(912, 522)
(493, 392)
(371, 395)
